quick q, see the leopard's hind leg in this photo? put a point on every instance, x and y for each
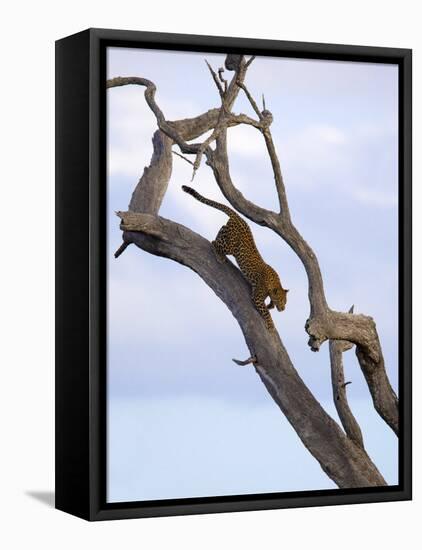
(222, 244)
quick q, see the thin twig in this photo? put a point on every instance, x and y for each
(184, 158)
(221, 123)
(249, 61)
(251, 99)
(215, 78)
(223, 80)
(121, 249)
(205, 145)
(278, 176)
(248, 361)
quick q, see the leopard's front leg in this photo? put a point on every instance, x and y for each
(258, 297)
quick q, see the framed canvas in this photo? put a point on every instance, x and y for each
(228, 198)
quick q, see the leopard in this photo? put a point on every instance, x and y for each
(235, 238)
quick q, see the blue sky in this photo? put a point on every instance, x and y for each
(183, 420)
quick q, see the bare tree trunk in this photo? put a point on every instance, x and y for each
(341, 455)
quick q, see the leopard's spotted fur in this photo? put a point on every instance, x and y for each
(235, 238)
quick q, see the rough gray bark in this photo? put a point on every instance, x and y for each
(341, 456)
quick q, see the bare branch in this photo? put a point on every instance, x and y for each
(278, 177)
(152, 186)
(182, 157)
(349, 422)
(383, 396)
(250, 360)
(205, 145)
(235, 120)
(222, 79)
(144, 223)
(251, 99)
(216, 80)
(225, 118)
(249, 61)
(165, 126)
(121, 249)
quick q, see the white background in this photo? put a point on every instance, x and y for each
(27, 274)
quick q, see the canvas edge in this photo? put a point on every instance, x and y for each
(100, 38)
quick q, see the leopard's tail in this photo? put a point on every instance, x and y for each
(209, 202)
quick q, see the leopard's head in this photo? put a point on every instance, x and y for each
(278, 297)
(277, 293)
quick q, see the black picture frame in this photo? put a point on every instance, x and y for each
(81, 273)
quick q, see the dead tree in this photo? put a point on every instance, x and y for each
(340, 452)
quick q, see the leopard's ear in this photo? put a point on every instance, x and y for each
(286, 290)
